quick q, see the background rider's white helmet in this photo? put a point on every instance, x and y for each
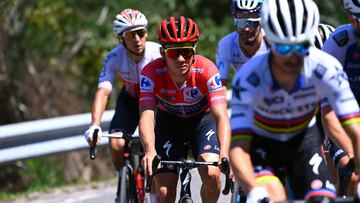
(246, 6)
(289, 21)
(323, 33)
(352, 6)
(129, 20)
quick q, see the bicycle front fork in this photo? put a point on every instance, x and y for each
(185, 177)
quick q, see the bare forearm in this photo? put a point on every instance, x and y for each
(354, 132)
(337, 133)
(146, 130)
(99, 105)
(223, 131)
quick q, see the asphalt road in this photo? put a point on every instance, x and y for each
(100, 192)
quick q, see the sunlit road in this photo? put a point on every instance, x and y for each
(103, 193)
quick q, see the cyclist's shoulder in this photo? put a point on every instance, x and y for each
(321, 57)
(228, 39)
(341, 36)
(253, 71)
(156, 66)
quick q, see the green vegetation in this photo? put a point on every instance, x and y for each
(51, 53)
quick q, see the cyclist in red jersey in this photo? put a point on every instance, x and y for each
(186, 92)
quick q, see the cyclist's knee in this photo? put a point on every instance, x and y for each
(210, 174)
(165, 184)
(116, 144)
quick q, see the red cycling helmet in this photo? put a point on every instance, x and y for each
(178, 30)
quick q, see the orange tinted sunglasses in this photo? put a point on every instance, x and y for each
(175, 52)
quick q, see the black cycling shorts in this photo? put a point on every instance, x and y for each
(126, 117)
(300, 159)
(174, 136)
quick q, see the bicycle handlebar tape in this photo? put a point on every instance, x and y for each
(93, 146)
(155, 164)
(229, 185)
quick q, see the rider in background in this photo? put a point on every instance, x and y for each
(237, 47)
(344, 45)
(275, 100)
(125, 61)
(185, 91)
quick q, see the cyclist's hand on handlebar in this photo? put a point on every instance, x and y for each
(89, 134)
(147, 162)
(257, 194)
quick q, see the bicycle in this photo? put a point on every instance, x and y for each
(130, 188)
(185, 176)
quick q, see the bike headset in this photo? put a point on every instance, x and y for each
(353, 8)
(180, 30)
(129, 20)
(323, 33)
(293, 22)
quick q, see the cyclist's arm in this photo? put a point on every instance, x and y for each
(336, 132)
(223, 128)
(354, 132)
(146, 128)
(99, 105)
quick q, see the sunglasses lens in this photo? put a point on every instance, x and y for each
(286, 50)
(175, 53)
(247, 22)
(131, 34)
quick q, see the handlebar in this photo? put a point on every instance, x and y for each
(155, 164)
(189, 164)
(229, 183)
(93, 146)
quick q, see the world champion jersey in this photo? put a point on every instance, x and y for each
(117, 63)
(260, 105)
(228, 53)
(202, 89)
(345, 47)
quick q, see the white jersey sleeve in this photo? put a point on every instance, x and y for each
(118, 64)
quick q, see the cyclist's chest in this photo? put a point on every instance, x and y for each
(280, 104)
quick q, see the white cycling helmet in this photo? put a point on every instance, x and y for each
(129, 19)
(289, 21)
(353, 6)
(323, 33)
(249, 6)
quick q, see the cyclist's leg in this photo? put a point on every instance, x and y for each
(205, 147)
(125, 120)
(263, 152)
(308, 173)
(169, 145)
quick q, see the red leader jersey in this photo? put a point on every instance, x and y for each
(201, 90)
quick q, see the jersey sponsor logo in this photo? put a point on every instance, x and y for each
(339, 77)
(106, 64)
(253, 79)
(273, 100)
(161, 70)
(167, 146)
(209, 134)
(320, 71)
(220, 65)
(315, 162)
(316, 184)
(341, 38)
(146, 84)
(165, 91)
(214, 83)
(197, 70)
(238, 89)
(289, 110)
(184, 110)
(192, 94)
